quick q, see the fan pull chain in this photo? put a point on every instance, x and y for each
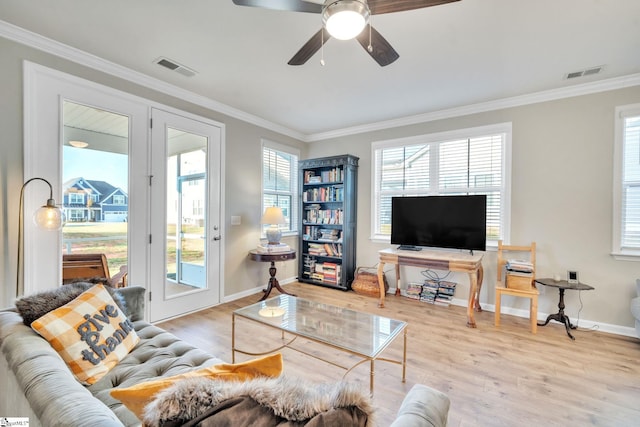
(322, 47)
(370, 47)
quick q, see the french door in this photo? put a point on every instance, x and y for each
(160, 207)
(185, 215)
(100, 186)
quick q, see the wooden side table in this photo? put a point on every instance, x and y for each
(562, 285)
(272, 258)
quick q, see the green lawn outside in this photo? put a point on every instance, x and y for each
(110, 238)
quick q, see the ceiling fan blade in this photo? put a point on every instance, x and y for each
(381, 51)
(290, 5)
(310, 48)
(378, 7)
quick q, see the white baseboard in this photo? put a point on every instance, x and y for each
(256, 290)
(582, 323)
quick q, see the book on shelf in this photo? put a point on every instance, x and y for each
(315, 215)
(267, 248)
(327, 272)
(329, 234)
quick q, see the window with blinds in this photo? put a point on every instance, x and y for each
(470, 161)
(280, 182)
(627, 171)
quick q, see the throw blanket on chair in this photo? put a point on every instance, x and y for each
(261, 402)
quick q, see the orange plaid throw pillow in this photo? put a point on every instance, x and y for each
(90, 333)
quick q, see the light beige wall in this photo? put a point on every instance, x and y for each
(561, 198)
(242, 175)
(562, 181)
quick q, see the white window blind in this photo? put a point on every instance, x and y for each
(630, 184)
(472, 162)
(280, 182)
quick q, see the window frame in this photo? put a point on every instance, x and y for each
(436, 139)
(617, 251)
(294, 191)
(77, 198)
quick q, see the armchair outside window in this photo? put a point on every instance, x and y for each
(91, 266)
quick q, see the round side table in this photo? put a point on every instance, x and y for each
(272, 258)
(562, 285)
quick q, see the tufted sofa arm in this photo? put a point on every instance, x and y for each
(635, 307)
(43, 388)
(423, 407)
(159, 354)
(134, 301)
(54, 395)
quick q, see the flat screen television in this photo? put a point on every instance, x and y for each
(452, 222)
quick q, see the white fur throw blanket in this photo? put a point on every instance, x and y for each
(259, 402)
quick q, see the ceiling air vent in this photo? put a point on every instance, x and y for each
(582, 73)
(174, 66)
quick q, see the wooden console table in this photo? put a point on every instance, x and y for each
(439, 260)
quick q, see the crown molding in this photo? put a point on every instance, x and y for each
(37, 41)
(482, 107)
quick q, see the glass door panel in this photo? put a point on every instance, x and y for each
(186, 221)
(95, 185)
(185, 249)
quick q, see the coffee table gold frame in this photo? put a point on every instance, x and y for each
(284, 313)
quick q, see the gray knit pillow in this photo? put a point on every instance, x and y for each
(34, 306)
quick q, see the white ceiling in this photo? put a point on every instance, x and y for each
(468, 52)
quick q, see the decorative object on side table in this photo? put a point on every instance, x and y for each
(273, 217)
(560, 316)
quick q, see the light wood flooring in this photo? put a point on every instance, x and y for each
(494, 376)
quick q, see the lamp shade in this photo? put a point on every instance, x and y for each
(49, 216)
(273, 215)
(345, 19)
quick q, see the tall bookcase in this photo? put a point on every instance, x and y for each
(327, 246)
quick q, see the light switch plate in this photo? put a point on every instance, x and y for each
(236, 220)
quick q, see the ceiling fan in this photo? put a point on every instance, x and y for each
(345, 20)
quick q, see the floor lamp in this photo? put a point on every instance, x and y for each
(47, 217)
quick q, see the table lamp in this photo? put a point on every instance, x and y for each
(274, 217)
(47, 217)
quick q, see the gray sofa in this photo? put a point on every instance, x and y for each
(635, 307)
(38, 384)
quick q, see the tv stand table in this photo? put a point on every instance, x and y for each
(438, 260)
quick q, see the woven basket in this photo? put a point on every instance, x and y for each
(366, 282)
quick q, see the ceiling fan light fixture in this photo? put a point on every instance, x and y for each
(345, 19)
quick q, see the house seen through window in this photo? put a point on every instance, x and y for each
(95, 183)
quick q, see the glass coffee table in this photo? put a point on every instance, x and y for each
(361, 334)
